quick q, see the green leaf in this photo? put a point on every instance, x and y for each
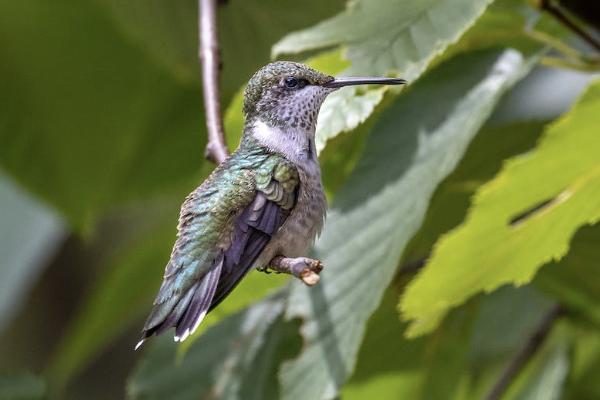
(548, 383)
(505, 22)
(381, 37)
(513, 129)
(574, 280)
(21, 387)
(87, 120)
(522, 219)
(481, 163)
(544, 376)
(461, 360)
(29, 235)
(584, 376)
(499, 332)
(380, 208)
(220, 364)
(389, 36)
(392, 367)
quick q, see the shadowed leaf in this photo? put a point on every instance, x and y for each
(29, 235)
(219, 364)
(416, 143)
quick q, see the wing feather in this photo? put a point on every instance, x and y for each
(221, 234)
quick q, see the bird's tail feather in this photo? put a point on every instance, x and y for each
(199, 304)
(191, 308)
(235, 269)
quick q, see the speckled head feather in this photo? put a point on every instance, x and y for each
(285, 93)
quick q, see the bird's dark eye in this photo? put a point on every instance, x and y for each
(290, 82)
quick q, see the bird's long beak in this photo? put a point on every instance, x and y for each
(351, 81)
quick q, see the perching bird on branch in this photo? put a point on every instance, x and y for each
(261, 208)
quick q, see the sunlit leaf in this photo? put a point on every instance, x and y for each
(522, 219)
(387, 36)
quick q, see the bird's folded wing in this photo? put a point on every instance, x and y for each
(276, 190)
(224, 226)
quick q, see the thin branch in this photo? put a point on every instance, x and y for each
(305, 269)
(556, 62)
(216, 149)
(555, 44)
(525, 354)
(550, 7)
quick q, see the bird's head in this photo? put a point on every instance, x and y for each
(287, 94)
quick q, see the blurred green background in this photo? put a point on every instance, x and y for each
(464, 208)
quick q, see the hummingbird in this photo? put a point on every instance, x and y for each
(264, 205)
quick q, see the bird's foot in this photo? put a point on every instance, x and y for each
(304, 268)
(267, 270)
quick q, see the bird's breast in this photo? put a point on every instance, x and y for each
(305, 221)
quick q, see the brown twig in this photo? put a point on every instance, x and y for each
(525, 354)
(216, 149)
(550, 7)
(305, 269)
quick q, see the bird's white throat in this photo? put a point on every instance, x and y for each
(297, 144)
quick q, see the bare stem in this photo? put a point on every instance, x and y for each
(216, 149)
(532, 345)
(556, 62)
(305, 269)
(557, 12)
(555, 43)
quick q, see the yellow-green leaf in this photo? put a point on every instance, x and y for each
(520, 220)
